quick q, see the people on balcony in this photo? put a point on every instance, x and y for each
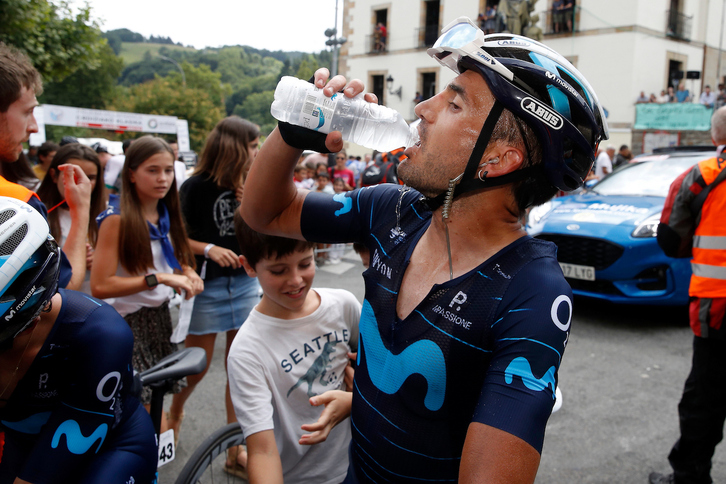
(708, 97)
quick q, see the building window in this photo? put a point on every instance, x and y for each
(431, 27)
(428, 85)
(378, 82)
(678, 25)
(379, 38)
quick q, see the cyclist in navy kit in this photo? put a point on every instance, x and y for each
(66, 402)
(465, 318)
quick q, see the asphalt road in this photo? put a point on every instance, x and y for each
(621, 379)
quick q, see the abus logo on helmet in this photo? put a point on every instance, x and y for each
(542, 112)
(514, 42)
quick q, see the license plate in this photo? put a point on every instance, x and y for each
(574, 271)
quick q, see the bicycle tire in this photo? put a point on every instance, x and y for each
(204, 466)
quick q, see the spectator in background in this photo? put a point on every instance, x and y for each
(180, 168)
(384, 35)
(52, 194)
(652, 98)
(603, 163)
(708, 98)
(682, 94)
(208, 202)
(356, 165)
(663, 98)
(568, 11)
(671, 95)
(557, 16)
(340, 171)
(490, 19)
(103, 154)
(113, 168)
(33, 155)
(46, 152)
(300, 177)
(642, 98)
(323, 183)
(721, 97)
(417, 98)
(622, 157)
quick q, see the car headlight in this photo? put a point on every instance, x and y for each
(648, 227)
(537, 213)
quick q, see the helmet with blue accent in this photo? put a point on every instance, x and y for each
(29, 267)
(538, 86)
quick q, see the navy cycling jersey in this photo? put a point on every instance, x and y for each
(74, 404)
(484, 347)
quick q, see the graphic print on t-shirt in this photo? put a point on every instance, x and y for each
(224, 208)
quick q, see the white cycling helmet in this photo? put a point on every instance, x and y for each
(29, 267)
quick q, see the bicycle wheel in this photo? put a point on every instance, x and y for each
(206, 465)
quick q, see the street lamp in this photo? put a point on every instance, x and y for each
(389, 84)
(184, 78)
(334, 42)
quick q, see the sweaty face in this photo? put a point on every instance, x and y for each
(16, 124)
(450, 125)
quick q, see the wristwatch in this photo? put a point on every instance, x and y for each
(151, 281)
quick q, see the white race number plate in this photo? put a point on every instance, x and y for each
(167, 452)
(574, 271)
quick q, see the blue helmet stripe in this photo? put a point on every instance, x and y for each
(559, 99)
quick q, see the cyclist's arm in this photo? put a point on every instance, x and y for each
(263, 459)
(494, 456)
(272, 204)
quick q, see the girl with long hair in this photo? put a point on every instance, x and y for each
(146, 254)
(209, 199)
(52, 194)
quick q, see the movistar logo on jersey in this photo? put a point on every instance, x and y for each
(347, 203)
(542, 112)
(388, 372)
(76, 442)
(520, 367)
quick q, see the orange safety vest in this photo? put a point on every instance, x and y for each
(709, 240)
(13, 190)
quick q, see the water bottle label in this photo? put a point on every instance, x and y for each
(317, 111)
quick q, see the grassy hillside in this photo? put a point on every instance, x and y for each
(134, 52)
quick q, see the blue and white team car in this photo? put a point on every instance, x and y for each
(606, 234)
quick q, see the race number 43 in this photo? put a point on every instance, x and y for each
(167, 452)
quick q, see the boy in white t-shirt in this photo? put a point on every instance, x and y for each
(293, 347)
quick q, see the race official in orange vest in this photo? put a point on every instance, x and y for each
(693, 223)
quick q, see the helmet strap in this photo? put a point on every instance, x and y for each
(473, 178)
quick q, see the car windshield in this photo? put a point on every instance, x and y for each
(648, 178)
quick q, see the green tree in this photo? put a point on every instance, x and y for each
(256, 108)
(166, 96)
(203, 79)
(87, 87)
(57, 42)
(307, 68)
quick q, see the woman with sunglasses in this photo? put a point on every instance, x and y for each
(466, 317)
(342, 172)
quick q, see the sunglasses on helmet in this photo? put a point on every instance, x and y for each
(462, 38)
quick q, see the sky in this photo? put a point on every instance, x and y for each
(289, 25)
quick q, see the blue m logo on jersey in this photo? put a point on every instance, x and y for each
(520, 367)
(75, 440)
(388, 371)
(346, 201)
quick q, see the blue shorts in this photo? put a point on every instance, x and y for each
(224, 304)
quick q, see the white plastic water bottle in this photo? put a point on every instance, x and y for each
(371, 125)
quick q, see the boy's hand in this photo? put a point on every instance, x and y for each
(337, 408)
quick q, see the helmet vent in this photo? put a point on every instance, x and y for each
(9, 246)
(6, 215)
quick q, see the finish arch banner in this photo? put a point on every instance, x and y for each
(673, 116)
(114, 120)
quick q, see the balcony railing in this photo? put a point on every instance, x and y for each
(426, 36)
(562, 21)
(678, 25)
(374, 45)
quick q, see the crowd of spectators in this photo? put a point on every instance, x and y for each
(708, 98)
